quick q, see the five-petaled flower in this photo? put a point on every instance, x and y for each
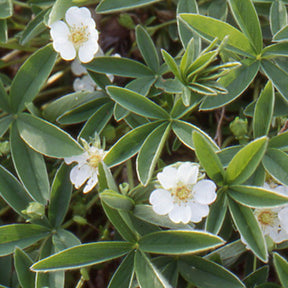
(86, 170)
(77, 36)
(184, 195)
(274, 221)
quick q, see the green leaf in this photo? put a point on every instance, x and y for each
(280, 141)
(3, 31)
(216, 214)
(6, 9)
(30, 167)
(208, 158)
(46, 138)
(20, 235)
(124, 274)
(147, 274)
(264, 106)
(147, 48)
(4, 101)
(256, 197)
(137, 103)
(34, 27)
(127, 146)
(63, 239)
(210, 28)
(170, 61)
(97, 122)
(257, 277)
(60, 196)
(184, 130)
(141, 85)
(277, 16)
(147, 214)
(4, 124)
(178, 242)
(246, 17)
(245, 162)
(273, 71)
(119, 66)
(13, 192)
(116, 200)
(118, 221)
(108, 6)
(249, 229)
(281, 35)
(58, 10)
(276, 163)
(106, 179)
(52, 279)
(275, 50)
(236, 82)
(150, 151)
(31, 76)
(228, 153)
(207, 274)
(83, 255)
(281, 266)
(184, 32)
(22, 263)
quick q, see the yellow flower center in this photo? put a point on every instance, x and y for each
(181, 193)
(78, 35)
(94, 160)
(266, 217)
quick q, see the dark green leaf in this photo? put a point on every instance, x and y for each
(6, 9)
(278, 16)
(83, 255)
(246, 16)
(20, 235)
(150, 151)
(207, 274)
(256, 197)
(281, 266)
(276, 163)
(3, 31)
(4, 124)
(58, 10)
(281, 34)
(46, 138)
(30, 167)
(60, 196)
(64, 239)
(179, 242)
(127, 146)
(147, 49)
(245, 162)
(147, 274)
(116, 200)
(137, 103)
(208, 158)
(22, 264)
(119, 66)
(280, 141)
(264, 106)
(249, 229)
(31, 76)
(257, 277)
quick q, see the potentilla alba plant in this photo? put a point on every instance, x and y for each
(86, 170)
(274, 221)
(78, 36)
(183, 193)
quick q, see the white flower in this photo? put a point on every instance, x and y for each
(274, 221)
(86, 170)
(85, 83)
(77, 36)
(183, 195)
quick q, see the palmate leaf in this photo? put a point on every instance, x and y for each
(83, 255)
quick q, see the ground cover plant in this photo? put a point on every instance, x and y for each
(144, 143)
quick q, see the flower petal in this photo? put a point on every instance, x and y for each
(168, 177)
(78, 16)
(180, 214)
(80, 174)
(188, 173)
(198, 211)
(91, 183)
(205, 192)
(66, 49)
(283, 217)
(77, 69)
(81, 159)
(59, 31)
(87, 51)
(162, 201)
